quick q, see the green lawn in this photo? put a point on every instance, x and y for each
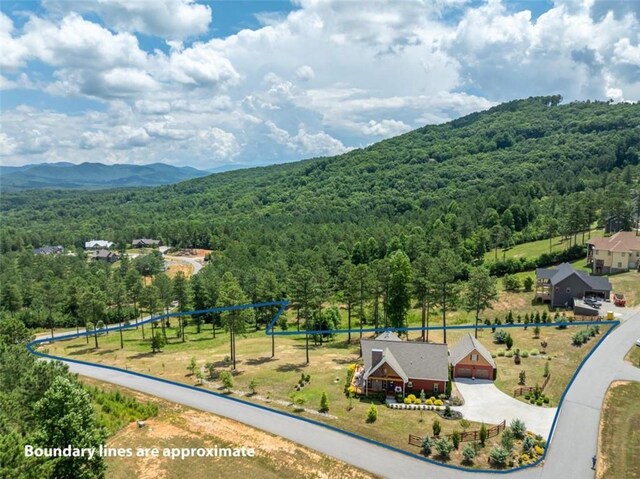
(619, 441)
(533, 249)
(633, 356)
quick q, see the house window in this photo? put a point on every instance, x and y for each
(568, 290)
(435, 387)
(474, 357)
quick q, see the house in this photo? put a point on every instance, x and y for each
(105, 255)
(49, 250)
(97, 244)
(145, 243)
(613, 254)
(395, 366)
(561, 285)
(470, 359)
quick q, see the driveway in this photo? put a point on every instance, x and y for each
(484, 402)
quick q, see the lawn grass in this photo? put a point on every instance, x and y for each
(533, 249)
(633, 356)
(179, 426)
(619, 439)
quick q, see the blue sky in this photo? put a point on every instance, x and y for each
(256, 82)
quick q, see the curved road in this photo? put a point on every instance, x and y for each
(574, 441)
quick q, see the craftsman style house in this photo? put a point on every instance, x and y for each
(619, 252)
(395, 366)
(98, 244)
(470, 359)
(561, 285)
(145, 243)
(105, 255)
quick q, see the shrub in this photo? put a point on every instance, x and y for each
(465, 424)
(483, 434)
(527, 444)
(536, 331)
(436, 427)
(500, 336)
(528, 283)
(438, 402)
(539, 450)
(534, 352)
(299, 402)
(518, 428)
(444, 446)
(447, 411)
(500, 352)
(411, 399)
(498, 456)
(253, 386)
(427, 445)
(522, 378)
(527, 396)
(546, 399)
(468, 453)
(506, 440)
(407, 401)
(508, 354)
(227, 380)
(429, 402)
(511, 282)
(508, 341)
(455, 438)
(324, 402)
(372, 414)
(524, 354)
(524, 459)
(192, 365)
(539, 402)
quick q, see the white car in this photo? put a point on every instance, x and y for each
(638, 342)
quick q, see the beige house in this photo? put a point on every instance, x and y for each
(619, 252)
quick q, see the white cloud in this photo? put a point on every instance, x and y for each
(173, 19)
(305, 73)
(384, 128)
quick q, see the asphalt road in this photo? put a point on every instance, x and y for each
(573, 445)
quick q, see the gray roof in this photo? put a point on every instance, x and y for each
(103, 253)
(464, 347)
(417, 360)
(390, 359)
(388, 336)
(145, 241)
(565, 270)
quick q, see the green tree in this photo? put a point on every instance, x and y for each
(455, 439)
(481, 292)
(227, 380)
(157, 342)
(372, 414)
(324, 402)
(447, 266)
(66, 416)
(399, 299)
(444, 446)
(13, 331)
(483, 434)
(436, 427)
(231, 294)
(468, 454)
(498, 456)
(423, 290)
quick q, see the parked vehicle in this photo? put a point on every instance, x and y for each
(618, 300)
(638, 342)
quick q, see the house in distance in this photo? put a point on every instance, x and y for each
(617, 253)
(145, 243)
(559, 286)
(98, 244)
(104, 255)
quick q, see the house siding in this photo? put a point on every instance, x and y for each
(577, 288)
(474, 371)
(426, 385)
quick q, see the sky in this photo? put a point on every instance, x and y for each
(206, 84)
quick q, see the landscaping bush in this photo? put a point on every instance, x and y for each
(507, 438)
(539, 451)
(524, 354)
(438, 402)
(522, 378)
(436, 427)
(411, 398)
(500, 352)
(498, 456)
(444, 446)
(227, 380)
(511, 283)
(468, 454)
(429, 402)
(508, 341)
(483, 434)
(500, 336)
(518, 428)
(427, 445)
(455, 439)
(527, 444)
(324, 402)
(534, 352)
(372, 414)
(508, 354)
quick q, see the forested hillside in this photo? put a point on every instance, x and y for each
(522, 170)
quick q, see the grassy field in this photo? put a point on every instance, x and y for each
(619, 439)
(179, 426)
(533, 249)
(275, 378)
(633, 356)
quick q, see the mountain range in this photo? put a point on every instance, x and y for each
(65, 175)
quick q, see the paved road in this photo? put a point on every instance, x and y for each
(196, 264)
(481, 392)
(573, 445)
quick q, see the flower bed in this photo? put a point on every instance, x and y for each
(415, 407)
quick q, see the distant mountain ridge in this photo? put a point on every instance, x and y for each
(64, 175)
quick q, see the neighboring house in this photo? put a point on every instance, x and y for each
(470, 359)
(98, 244)
(395, 366)
(49, 250)
(616, 253)
(105, 255)
(561, 285)
(145, 243)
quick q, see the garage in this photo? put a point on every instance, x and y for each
(482, 374)
(470, 359)
(463, 373)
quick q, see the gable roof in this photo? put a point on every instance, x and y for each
(465, 346)
(565, 270)
(417, 360)
(104, 253)
(388, 358)
(145, 241)
(622, 241)
(98, 243)
(388, 336)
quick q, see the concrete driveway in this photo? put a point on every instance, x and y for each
(484, 402)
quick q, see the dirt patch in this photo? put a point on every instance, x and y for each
(603, 460)
(173, 270)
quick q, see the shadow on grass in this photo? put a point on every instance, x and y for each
(286, 368)
(86, 350)
(258, 361)
(142, 355)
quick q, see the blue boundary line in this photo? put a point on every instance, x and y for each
(269, 331)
